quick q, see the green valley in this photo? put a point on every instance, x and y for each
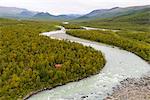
(29, 60)
(53, 50)
(133, 32)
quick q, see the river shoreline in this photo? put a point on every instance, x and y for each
(111, 75)
(49, 88)
(132, 89)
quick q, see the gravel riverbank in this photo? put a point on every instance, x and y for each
(132, 89)
(120, 65)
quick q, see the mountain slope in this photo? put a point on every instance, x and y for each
(13, 12)
(67, 17)
(138, 20)
(139, 17)
(27, 14)
(43, 15)
(114, 12)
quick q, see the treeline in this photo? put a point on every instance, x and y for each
(28, 61)
(139, 48)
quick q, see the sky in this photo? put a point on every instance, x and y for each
(57, 7)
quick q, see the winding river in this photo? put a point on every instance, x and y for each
(120, 65)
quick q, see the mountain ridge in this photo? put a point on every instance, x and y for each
(113, 12)
(14, 12)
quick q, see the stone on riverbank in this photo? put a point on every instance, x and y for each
(132, 89)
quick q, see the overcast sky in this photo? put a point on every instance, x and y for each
(70, 6)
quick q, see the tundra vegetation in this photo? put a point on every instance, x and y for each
(31, 62)
(133, 32)
(71, 26)
(140, 48)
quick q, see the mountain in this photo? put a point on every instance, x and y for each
(139, 17)
(13, 12)
(138, 20)
(43, 15)
(27, 14)
(47, 16)
(95, 13)
(5, 11)
(113, 12)
(67, 17)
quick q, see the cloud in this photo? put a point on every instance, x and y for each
(70, 6)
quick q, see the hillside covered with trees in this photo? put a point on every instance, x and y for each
(30, 62)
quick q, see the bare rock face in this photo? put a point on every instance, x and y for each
(132, 89)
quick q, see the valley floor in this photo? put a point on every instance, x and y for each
(120, 66)
(30, 62)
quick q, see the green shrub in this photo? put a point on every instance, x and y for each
(27, 59)
(139, 48)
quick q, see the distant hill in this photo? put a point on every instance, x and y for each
(138, 20)
(113, 12)
(67, 17)
(27, 14)
(139, 17)
(43, 15)
(14, 12)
